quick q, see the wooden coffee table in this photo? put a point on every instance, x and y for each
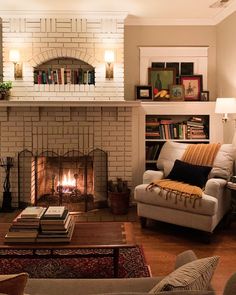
(99, 235)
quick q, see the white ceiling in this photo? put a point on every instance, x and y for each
(163, 12)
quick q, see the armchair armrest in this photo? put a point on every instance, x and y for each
(185, 257)
(150, 175)
(215, 186)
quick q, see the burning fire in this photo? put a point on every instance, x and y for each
(68, 182)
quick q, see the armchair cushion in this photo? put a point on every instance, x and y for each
(192, 174)
(195, 275)
(222, 166)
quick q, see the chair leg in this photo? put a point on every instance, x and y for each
(143, 222)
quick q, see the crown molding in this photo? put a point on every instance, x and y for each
(135, 21)
(225, 13)
(63, 14)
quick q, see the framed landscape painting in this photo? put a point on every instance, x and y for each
(144, 92)
(161, 79)
(192, 87)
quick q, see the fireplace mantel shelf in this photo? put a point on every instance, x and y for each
(9, 103)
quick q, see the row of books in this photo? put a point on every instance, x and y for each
(194, 128)
(38, 224)
(64, 76)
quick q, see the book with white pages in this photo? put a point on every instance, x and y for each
(54, 211)
(32, 212)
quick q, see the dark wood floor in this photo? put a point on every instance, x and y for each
(162, 242)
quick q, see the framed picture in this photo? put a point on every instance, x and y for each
(192, 87)
(205, 96)
(173, 65)
(176, 92)
(144, 92)
(161, 79)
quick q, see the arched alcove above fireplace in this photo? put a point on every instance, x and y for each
(63, 71)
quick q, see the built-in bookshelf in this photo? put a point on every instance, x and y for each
(181, 128)
(64, 71)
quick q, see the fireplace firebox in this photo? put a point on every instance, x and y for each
(73, 179)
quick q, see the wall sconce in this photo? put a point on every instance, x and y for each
(225, 106)
(109, 58)
(14, 56)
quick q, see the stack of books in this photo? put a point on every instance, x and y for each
(57, 226)
(25, 226)
(196, 128)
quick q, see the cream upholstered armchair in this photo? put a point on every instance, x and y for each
(207, 211)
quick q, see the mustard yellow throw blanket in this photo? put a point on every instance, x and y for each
(196, 154)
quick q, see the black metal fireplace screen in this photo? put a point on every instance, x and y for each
(71, 179)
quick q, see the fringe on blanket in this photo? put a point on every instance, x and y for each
(179, 190)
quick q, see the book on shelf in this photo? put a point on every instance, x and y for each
(32, 212)
(54, 211)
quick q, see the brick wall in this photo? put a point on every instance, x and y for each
(63, 128)
(40, 39)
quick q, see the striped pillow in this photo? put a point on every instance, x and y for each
(195, 275)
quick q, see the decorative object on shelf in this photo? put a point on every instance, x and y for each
(161, 79)
(5, 89)
(14, 56)
(205, 96)
(225, 106)
(162, 95)
(109, 58)
(118, 195)
(7, 164)
(192, 86)
(144, 92)
(176, 92)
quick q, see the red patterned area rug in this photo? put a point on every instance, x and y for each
(132, 264)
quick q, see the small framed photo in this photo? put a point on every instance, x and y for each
(144, 92)
(205, 96)
(192, 87)
(176, 92)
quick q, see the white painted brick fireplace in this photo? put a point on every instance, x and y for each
(67, 117)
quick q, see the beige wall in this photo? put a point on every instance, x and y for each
(136, 36)
(226, 57)
(226, 66)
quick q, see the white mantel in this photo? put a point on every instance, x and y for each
(68, 103)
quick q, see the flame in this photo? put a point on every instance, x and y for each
(68, 180)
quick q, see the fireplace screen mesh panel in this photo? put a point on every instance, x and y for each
(74, 179)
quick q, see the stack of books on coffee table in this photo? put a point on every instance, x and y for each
(25, 226)
(56, 226)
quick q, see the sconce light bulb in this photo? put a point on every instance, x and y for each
(14, 55)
